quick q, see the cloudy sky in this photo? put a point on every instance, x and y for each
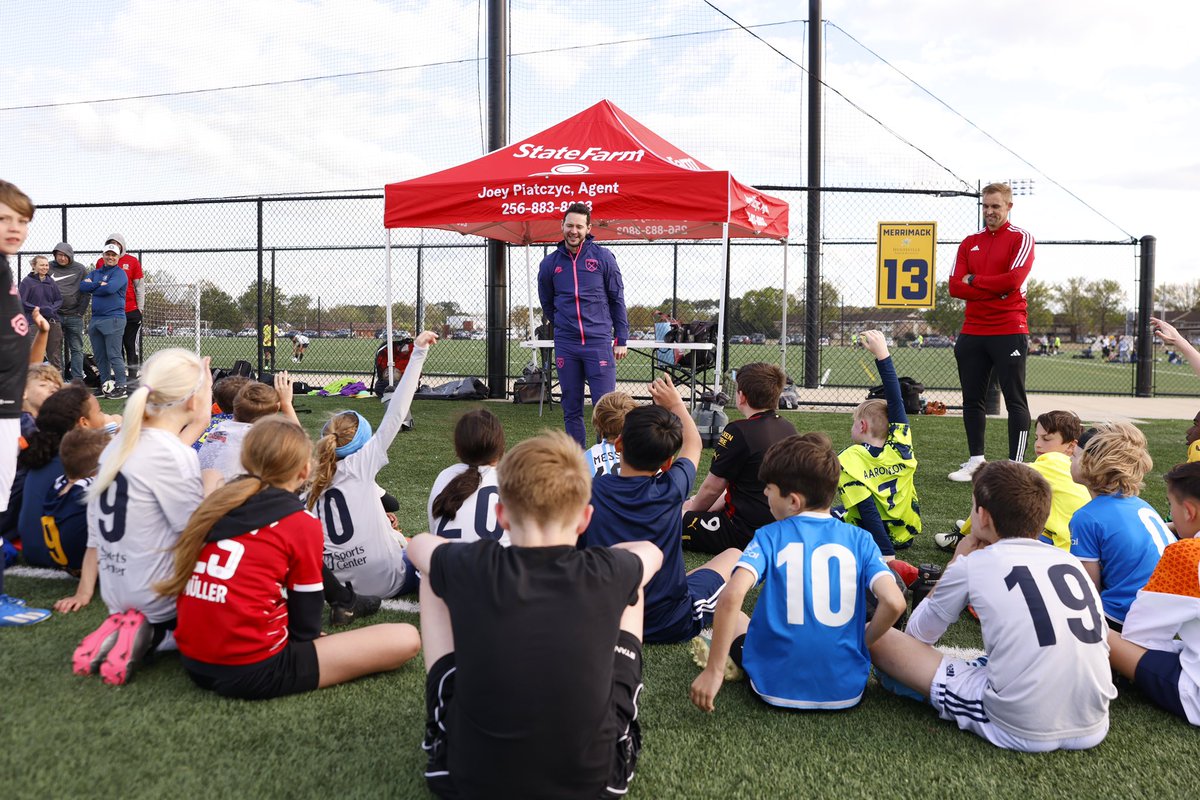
(1078, 93)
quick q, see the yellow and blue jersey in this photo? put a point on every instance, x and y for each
(884, 474)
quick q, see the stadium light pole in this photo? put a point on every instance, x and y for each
(812, 286)
(497, 251)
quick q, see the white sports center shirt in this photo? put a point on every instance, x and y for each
(1044, 632)
(135, 523)
(360, 544)
(475, 520)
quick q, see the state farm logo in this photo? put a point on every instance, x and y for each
(562, 169)
(575, 154)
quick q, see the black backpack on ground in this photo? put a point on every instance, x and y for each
(910, 390)
(531, 387)
(460, 389)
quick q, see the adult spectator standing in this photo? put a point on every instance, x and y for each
(990, 274)
(269, 334)
(107, 284)
(67, 273)
(583, 297)
(135, 301)
(39, 291)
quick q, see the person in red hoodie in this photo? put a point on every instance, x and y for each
(990, 274)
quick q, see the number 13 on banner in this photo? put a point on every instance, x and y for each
(905, 267)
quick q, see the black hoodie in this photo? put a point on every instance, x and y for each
(260, 510)
(75, 302)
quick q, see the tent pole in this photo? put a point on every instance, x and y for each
(720, 364)
(387, 309)
(529, 289)
(783, 333)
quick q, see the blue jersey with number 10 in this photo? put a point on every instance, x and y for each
(806, 644)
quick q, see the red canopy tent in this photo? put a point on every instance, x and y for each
(638, 185)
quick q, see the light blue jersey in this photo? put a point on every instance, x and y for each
(603, 459)
(806, 644)
(1127, 537)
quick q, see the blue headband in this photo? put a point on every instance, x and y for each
(360, 436)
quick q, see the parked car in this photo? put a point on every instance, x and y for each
(758, 338)
(246, 333)
(795, 338)
(739, 338)
(938, 341)
(461, 335)
(823, 341)
(159, 331)
(342, 333)
(222, 332)
(396, 334)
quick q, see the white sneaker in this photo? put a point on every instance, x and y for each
(947, 541)
(966, 472)
(959, 524)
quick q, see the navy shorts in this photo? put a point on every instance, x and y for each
(704, 587)
(1157, 675)
(291, 671)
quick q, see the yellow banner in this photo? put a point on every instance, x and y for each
(904, 274)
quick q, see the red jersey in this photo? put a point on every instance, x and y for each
(133, 272)
(1000, 261)
(232, 610)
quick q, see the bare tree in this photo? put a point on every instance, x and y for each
(1105, 302)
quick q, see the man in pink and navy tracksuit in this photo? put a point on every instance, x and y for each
(583, 297)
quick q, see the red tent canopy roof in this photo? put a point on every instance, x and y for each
(638, 185)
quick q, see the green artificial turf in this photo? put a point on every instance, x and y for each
(159, 736)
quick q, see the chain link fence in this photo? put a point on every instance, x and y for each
(217, 271)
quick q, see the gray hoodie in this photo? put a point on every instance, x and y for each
(75, 303)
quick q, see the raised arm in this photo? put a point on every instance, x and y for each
(663, 393)
(876, 343)
(402, 397)
(1173, 338)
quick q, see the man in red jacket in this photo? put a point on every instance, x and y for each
(990, 273)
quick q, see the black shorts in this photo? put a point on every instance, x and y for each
(713, 532)
(1157, 675)
(291, 671)
(627, 685)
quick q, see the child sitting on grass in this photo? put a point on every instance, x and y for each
(224, 391)
(1117, 535)
(362, 551)
(533, 652)
(237, 634)
(1159, 646)
(643, 503)
(806, 644)
(876, 485)
(462, 502)
(148, 485)
(41, 381)
(223, 447)
(1058, 435)
(608, 418)
(1045, 683)
(65, 514)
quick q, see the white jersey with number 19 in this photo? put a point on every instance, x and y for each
(1044, 632)
(806, 646)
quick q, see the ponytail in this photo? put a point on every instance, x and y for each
(478, 441)
(338, 431)
(451, 498)
(126, 439)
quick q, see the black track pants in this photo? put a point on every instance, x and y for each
(977, 357)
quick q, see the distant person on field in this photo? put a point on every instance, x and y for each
(805, 646)
(462, 502)
(1057, 437)
(68, 273)
(1118, 536)
(556, 716)
(39, 289)
(269, 334)
(238, 635)
(659, 447)
(1159, 647)
(608, 418)
(730, 505)
(990, 274)
(876, 486)
(1170, 337)
(1045, 683)
(108, 286)
(299, 345)
(135, 304)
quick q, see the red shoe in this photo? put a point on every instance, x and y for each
(907, 572)
(95, 646)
